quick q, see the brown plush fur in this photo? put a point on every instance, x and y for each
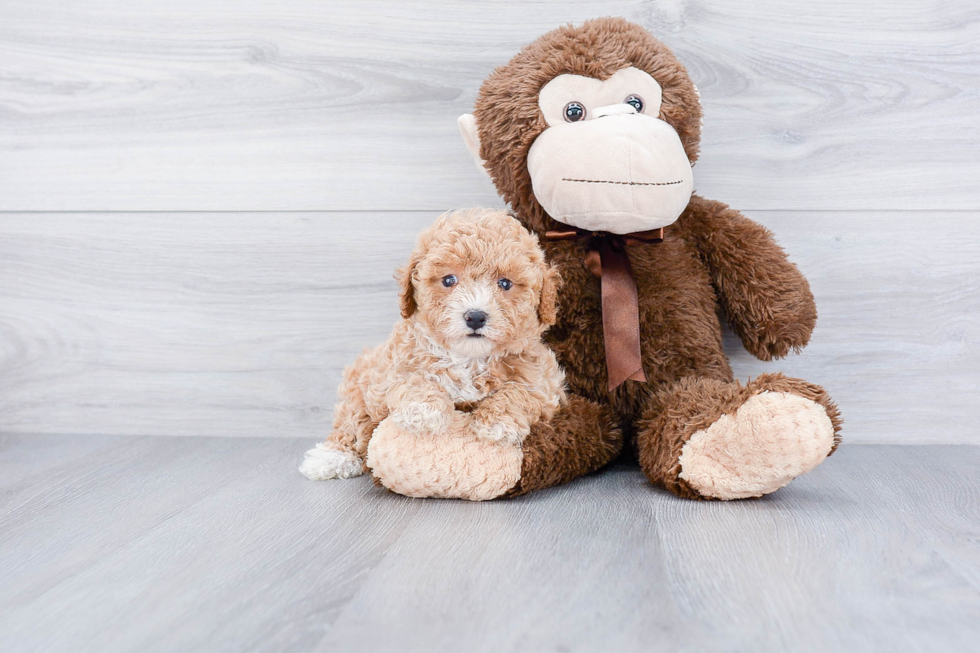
(712, 256)
(567, 446)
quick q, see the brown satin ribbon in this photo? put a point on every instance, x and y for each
(607, 259)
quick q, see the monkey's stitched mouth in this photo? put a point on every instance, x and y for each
(625, 183)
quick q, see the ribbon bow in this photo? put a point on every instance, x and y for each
(607, 259)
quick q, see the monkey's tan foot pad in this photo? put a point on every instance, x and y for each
(769, 440)
(452, 465)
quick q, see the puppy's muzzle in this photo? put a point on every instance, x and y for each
(475, 320)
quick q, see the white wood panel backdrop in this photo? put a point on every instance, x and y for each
(201, 203)
(258, 105)
(239, 324)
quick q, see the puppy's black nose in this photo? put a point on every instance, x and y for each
(475, 319)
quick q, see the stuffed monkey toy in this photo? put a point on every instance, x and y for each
(590, 134)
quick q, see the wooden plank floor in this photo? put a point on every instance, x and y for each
(112, 543)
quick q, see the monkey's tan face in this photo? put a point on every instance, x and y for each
(606, 162)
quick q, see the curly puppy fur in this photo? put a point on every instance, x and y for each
(712, 258)
(437, 374)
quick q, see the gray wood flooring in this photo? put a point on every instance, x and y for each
(216, 544)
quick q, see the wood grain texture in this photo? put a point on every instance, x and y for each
(250, 105)
(218, 544)
(240, 324)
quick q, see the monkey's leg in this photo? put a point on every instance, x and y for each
(582, 437)
(708, 439)
(459, 464)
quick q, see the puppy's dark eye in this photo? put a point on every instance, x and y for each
(449, 280)
(636, 102)
(574, 111)
(506, 284)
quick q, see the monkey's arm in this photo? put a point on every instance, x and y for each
(767, 300)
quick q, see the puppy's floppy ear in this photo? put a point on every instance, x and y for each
(405, 277)
(548, 306)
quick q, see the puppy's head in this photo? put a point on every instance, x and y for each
(479, 285)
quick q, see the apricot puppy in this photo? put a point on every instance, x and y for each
(466, 361)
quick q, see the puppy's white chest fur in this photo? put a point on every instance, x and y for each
(464, 380)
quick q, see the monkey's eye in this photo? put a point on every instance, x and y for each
(574, 111)
(506, 284)
(449, 280)
(636, 102)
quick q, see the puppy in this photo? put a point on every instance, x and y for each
(476, 296)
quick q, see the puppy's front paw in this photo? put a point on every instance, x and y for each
(421, 417)
(324, 462)
(502, 431)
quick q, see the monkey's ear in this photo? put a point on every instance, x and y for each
(548, 306)
(697, 92)
(406, 293)
(471, 138)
